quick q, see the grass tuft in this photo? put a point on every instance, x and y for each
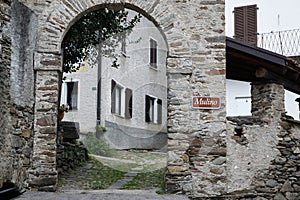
(148, 180)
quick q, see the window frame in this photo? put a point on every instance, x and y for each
(123, 46)
(153, 110)
(153, 53)
(116, 98)
(68, 96)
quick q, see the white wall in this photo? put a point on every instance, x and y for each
(291, 106)
(237, 104)
(87, 99)
(136, 74)
(239, 107)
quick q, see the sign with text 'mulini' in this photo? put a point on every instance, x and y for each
(206, 102)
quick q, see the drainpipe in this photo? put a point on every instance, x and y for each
(298, 100)
(99, 60)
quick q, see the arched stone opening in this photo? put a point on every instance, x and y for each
(194, 33)
(49, 67)
(134, 78)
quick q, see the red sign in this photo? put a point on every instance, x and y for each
(206, 102)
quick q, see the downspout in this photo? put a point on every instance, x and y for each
(99, 60)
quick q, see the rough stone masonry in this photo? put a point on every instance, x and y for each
(202, 156)
(194, 31)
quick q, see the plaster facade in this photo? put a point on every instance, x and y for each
(85, 96)
(134, 73)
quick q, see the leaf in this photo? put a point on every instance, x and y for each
(102, 28)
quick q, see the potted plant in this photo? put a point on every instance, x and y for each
(61, 112)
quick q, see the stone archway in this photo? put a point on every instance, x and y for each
(194, 31)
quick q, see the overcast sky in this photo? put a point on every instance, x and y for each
(273, 15)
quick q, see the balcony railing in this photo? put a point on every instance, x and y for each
(286, 43)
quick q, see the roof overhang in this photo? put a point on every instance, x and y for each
(253, 64)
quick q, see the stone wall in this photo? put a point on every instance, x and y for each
(281, 180)
(17, 98)
(6, 127)
(70, 155)
(194, 33)
(196, 68)
(263, 151)
(256, 158)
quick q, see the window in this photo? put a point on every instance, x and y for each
(121, 100)
(116, 98)
(153, 110)
(128, 103)
(153, 53)
(123, 46)
(70, 94)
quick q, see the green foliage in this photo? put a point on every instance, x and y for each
(102, 128)
(93, 175)
(96, 185)
(103, 176)
(102, 28)
(148, 180)
(97, 146)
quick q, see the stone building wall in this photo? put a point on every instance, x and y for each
(70, 155)
(17, 99)
(6, 128)
(194, 32)
(207, 157)
(263, 162)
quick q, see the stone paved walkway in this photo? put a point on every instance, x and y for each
(74, 186)
(129, 163)
(99, 195)
(127, 178)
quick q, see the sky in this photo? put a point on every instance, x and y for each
(272, 15)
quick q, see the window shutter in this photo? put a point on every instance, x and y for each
(113, 96)
(159, 111)
(128, 103)
(245, 24)
(147, 109)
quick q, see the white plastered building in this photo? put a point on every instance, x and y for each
(129, 101)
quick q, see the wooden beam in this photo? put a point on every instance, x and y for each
(268, 75)
(261, 73)
(294, 76)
